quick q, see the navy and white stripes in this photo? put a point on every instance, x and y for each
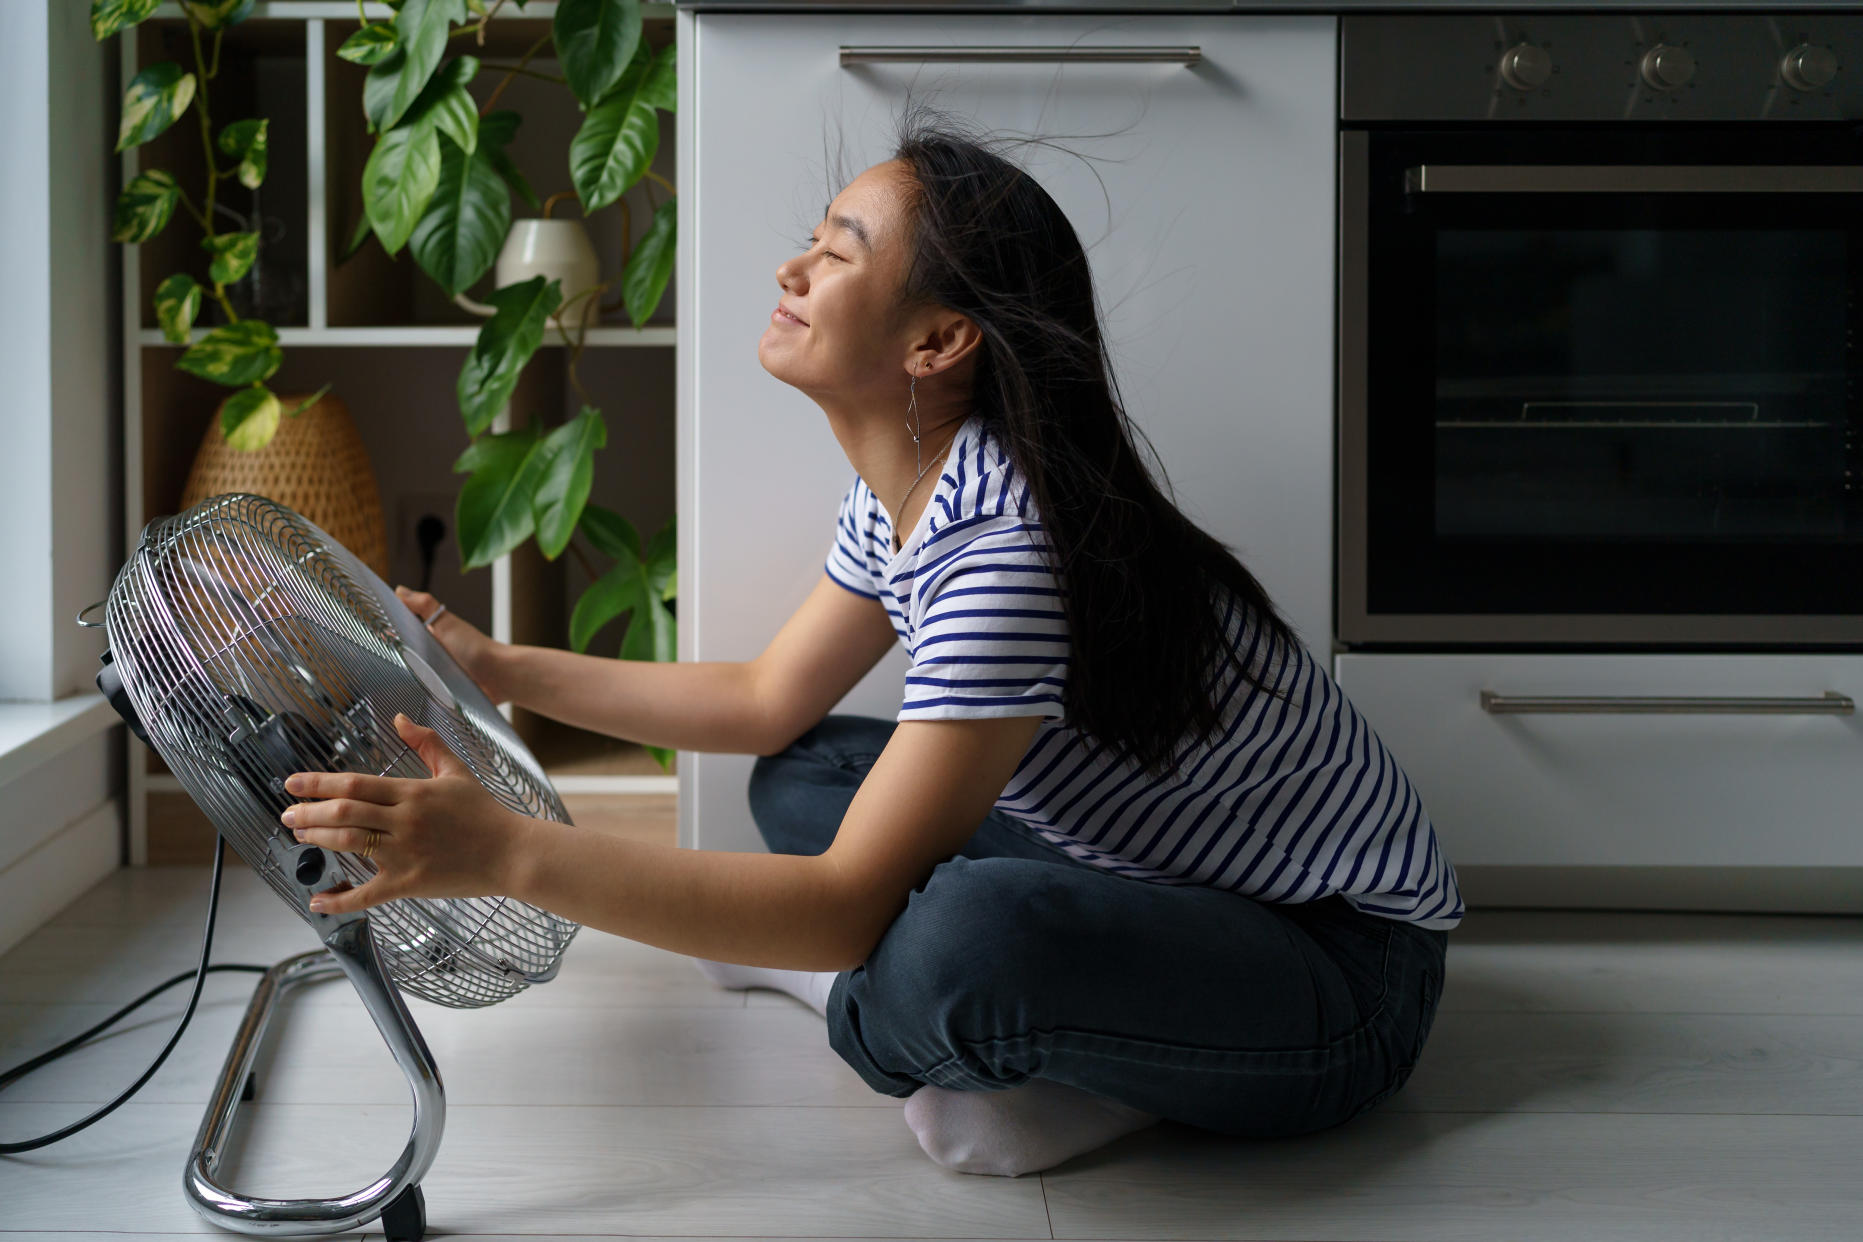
(1294, 799)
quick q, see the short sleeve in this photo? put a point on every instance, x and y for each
(989, 637)
(847, 556)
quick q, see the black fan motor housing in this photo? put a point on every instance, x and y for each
(110, 682)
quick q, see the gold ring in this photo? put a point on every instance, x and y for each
(368, 851)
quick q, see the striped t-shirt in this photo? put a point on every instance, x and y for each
(1293, 800)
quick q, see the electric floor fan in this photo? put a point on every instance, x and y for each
(245, 644)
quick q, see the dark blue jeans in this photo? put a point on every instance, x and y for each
(1014, 961)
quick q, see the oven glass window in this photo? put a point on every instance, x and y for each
(1641, 385)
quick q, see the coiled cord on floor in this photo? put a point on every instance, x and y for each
(198, 974)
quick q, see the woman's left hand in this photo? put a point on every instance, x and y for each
(442, 836)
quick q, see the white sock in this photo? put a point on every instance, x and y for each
(1020, 1129)
(808, 986)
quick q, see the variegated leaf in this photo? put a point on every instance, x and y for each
(217, 14)
(368, 45)
(249, 418)
(177, 302)
(232, 253)
(245, 140)
(155, 98)
(144, 206)
(234, 354)
(110, 16)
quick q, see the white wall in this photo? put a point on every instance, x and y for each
(61, 471)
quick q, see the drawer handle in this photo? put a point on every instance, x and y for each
(1830, 703)
(1018, 55)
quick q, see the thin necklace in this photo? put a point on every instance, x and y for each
(912, 408)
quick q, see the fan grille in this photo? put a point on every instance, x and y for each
(253, 645)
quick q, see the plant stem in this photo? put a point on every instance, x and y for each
(492, 99)
(582, 559)
(529, 73)
(582, 329)
(192, 209)
(654, 176)
(213, 179)
(489, 14)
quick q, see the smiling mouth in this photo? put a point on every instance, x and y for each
(786, 317)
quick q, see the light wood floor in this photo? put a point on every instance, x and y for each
(1591, 1076)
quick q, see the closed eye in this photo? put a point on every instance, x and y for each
(812, 242)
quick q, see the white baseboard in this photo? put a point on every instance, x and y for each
(57, 871)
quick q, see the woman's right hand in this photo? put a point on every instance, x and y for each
(477, 652)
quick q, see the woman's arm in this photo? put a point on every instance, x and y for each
(924, 797)
(741, 707)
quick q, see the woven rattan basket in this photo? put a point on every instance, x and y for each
(315, 464)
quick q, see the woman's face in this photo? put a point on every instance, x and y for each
(848, 338)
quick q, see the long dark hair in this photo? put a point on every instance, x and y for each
(1140, 580)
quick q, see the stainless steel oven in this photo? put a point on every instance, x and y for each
(1598, 334)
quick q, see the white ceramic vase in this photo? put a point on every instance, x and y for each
(558, 250)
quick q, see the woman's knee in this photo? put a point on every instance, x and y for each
(799, 794)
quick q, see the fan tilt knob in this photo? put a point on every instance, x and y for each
(1525, 67)
(1809, 67)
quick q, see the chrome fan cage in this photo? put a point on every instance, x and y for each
(246, 644)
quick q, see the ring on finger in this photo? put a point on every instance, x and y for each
(368, 849)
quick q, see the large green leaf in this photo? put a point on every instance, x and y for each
(563, 487)
(398, 78)
(663, 552)
(606, 598)
(249, 418)
(234, 354)
(494, 512)
(155, 99)
(217, 14)
(618, 139)
(110, 16)
(496, 131)
(661, 89)
(144, 206)
(651, 633)
(177, 301)
(612, 534)
(446, 105)
(232, 253)
(458, 238)
(399, 179)
(504, 345)
(643, 282)
(595, 40)
(368, 45)
(245, 140)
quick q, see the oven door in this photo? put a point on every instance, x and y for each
(1607, 397)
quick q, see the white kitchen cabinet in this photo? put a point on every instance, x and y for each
(1208, 217)
(1738, 792)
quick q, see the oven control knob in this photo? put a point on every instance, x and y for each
(1667, 68)
(1809, 67)
(1525, 67)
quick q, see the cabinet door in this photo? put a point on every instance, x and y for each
(1613, 789)
(1207, 213)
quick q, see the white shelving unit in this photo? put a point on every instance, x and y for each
(337, 339)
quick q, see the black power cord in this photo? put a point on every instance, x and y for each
(199, 975)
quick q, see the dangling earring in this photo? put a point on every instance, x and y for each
(912, 408)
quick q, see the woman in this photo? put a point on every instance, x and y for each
(1127, 851)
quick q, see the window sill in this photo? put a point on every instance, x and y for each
(31, 733)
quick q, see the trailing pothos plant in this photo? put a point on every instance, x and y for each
(439, 182)
(241, 353)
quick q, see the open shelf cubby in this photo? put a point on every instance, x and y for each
(391, 344)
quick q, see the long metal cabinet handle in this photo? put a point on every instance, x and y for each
(1018, 55)
(1632, 179)
(1830, 703)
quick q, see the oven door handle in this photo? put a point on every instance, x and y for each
(1830, 703)
(1633, 179)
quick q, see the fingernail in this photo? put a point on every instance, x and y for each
(298, 833)
(316, 905)
(289, 815)
(293, 783)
